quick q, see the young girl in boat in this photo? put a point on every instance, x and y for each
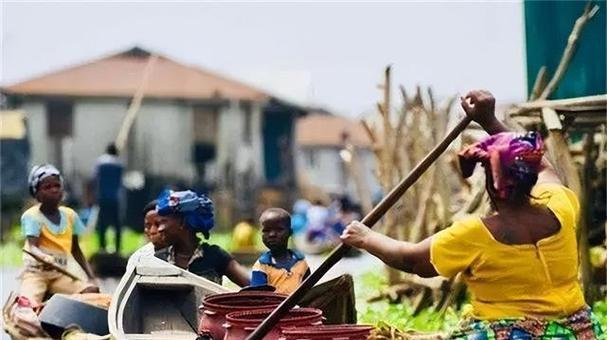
(521, 262)
(150, 230)
(182, 215)
(51, 231)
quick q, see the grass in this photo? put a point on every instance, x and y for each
(11, 254)
(397, 315)
(600, 309)
(400, 315)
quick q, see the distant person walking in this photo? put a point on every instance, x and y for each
(108, 178)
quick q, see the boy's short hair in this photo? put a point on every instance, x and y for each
(149, 207)
(278, 213)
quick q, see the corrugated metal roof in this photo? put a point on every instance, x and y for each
(328, 130)
(120, 75)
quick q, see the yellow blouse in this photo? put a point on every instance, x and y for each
(54, 238)
(510, 281)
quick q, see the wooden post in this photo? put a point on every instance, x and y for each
(591, 290)
(558, 151)
(133, 109)
(52, 265)
(388, 163)
(355, 170)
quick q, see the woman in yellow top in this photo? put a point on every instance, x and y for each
(520, 263)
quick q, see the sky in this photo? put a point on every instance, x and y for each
(329, 55)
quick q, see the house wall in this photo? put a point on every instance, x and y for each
(96, 124)
(160, 142)
(36, 126)
(322, 167)
(163, 133)
(234, 151)
(162, 136)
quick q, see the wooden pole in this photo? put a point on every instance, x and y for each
(369, 220)
(52, 265)
(131, 114)
(353, 165)
(572, 41)
(558, 152)
(591, 290)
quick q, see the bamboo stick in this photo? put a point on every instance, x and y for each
(133, 109)
(579, 25)
(52, 265)
(369, 220)
(591, 290)
(598, 102)
(539, 85)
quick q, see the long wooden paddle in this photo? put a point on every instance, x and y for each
(369, 220)
(52, 265)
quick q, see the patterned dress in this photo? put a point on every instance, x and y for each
(582, 325)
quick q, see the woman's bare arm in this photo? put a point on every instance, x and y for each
(406, 256)
(79, 257)
(238, 274)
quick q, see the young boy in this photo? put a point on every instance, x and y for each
(51, 232)
(282, 268)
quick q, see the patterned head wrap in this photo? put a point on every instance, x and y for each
(197, 210)
(40, 172)
(511, 157)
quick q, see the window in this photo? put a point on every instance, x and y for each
(311, 158)
(59, 118)
(247, 121)
(205, 136)
(205, 124)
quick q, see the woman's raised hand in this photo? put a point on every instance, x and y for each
(480, 106)
(356, 234)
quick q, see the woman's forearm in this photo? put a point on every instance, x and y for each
(85, 266)
(390, 251)
(81, 259)
(410, 257)
(238, 274)
(494, 126)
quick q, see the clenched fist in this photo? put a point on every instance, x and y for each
(356, 234)
(480, 106)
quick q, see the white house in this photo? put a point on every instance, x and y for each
(194, 126)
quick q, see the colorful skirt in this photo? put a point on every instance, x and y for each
(581, 325)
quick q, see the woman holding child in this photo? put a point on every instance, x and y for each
(521, 262)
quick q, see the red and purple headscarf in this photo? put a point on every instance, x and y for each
(510, 157)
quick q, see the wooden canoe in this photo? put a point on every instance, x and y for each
(10, 327)
(156, 300)
(60, 313)
(335, 298)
